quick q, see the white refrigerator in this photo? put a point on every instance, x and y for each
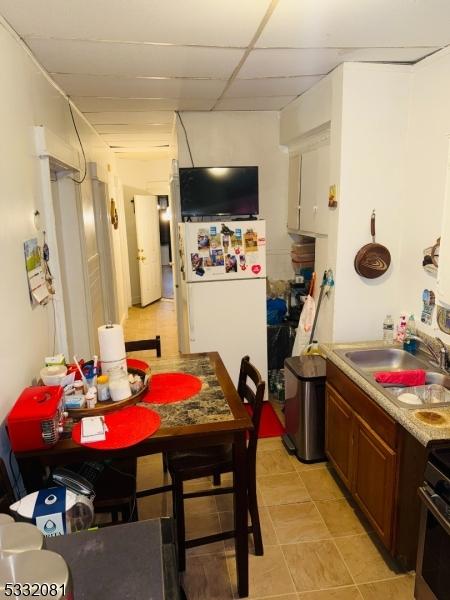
(223, 281)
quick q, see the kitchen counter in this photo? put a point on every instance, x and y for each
(425, 434)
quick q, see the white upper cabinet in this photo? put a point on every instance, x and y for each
(294, 192)
(308, 191)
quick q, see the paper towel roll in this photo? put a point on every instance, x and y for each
(112, 343)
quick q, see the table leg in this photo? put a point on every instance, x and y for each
(240, 513)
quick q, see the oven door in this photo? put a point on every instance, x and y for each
(432, 571)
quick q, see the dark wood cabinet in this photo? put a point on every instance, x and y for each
(338, 433)
(379, 462)
(374, 478)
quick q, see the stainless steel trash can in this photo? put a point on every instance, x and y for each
(304, 409)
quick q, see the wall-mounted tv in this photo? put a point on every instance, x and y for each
(217, 191)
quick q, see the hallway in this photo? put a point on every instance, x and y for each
(158, 318)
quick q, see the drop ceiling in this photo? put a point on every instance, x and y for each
(128, 64)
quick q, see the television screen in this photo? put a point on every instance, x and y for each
(219, 191)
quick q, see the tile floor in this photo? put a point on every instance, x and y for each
(317, 546)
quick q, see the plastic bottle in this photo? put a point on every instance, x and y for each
(410, 345)
(401, 329)
(388, 330)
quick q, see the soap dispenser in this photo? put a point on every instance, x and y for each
(409, 343)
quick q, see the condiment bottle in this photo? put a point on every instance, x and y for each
(103, 388)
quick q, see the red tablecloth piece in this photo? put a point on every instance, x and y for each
(172, 387)
(127, 427)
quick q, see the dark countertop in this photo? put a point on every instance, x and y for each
(124, 562)
(208, 406)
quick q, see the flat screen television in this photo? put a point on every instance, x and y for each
(218, 191)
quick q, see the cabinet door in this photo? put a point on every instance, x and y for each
(314, 184)
(294, 192)
(338, 434)
(374, 479)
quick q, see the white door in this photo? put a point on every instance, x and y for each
(149, 249)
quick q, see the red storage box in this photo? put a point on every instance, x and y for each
(36, 419)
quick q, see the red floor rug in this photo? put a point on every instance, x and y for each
(270, 425)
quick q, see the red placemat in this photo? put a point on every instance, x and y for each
(135, 363)
(127, 427)
(172, 387)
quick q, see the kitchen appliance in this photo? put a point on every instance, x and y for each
(75, 512)
(304, 408)
(432, 572)
(372, 260)
(36, 419)
(215, 191)
(223, 291)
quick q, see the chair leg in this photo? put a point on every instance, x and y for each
(178, 510)
(216, 479)
(254, 515)
(114, 516)
(164, 461)
(126, 516)
(134, 509)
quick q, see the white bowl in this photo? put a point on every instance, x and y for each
(53, 375)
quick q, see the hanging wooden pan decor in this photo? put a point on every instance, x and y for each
(372, 260)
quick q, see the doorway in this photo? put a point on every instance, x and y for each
(166, 249)
(85, 259)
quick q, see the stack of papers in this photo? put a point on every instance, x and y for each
(93, 429)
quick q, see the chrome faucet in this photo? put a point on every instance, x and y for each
(441, 358)
(444, 361)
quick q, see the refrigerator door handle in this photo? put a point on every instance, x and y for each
(190, 316)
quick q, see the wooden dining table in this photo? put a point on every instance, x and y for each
(214, 416)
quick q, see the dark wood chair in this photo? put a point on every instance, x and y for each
(116, 487)
(7, 496)
(215, 460)
(150, 344)
(115, 491)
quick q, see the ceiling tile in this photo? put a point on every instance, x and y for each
(271, 62)
(124, 153)
(107, 85)
(123, 118)
(139, 145)
(288, 86)
(131, 128)
(357, 23)
(89, 104)
(135, 137)
(384, 54)
(268, 103)
(282, 62)
(230, 23)
(74, 56)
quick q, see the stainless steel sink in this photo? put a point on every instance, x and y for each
(435, 392)
(438, 378)
(385, 359)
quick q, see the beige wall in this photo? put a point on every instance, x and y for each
(27, 99)
(246, 138)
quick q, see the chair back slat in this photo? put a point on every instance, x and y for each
(150, 344)
(255, 398)
(7, 496)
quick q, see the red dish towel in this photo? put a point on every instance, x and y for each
(406, 378)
